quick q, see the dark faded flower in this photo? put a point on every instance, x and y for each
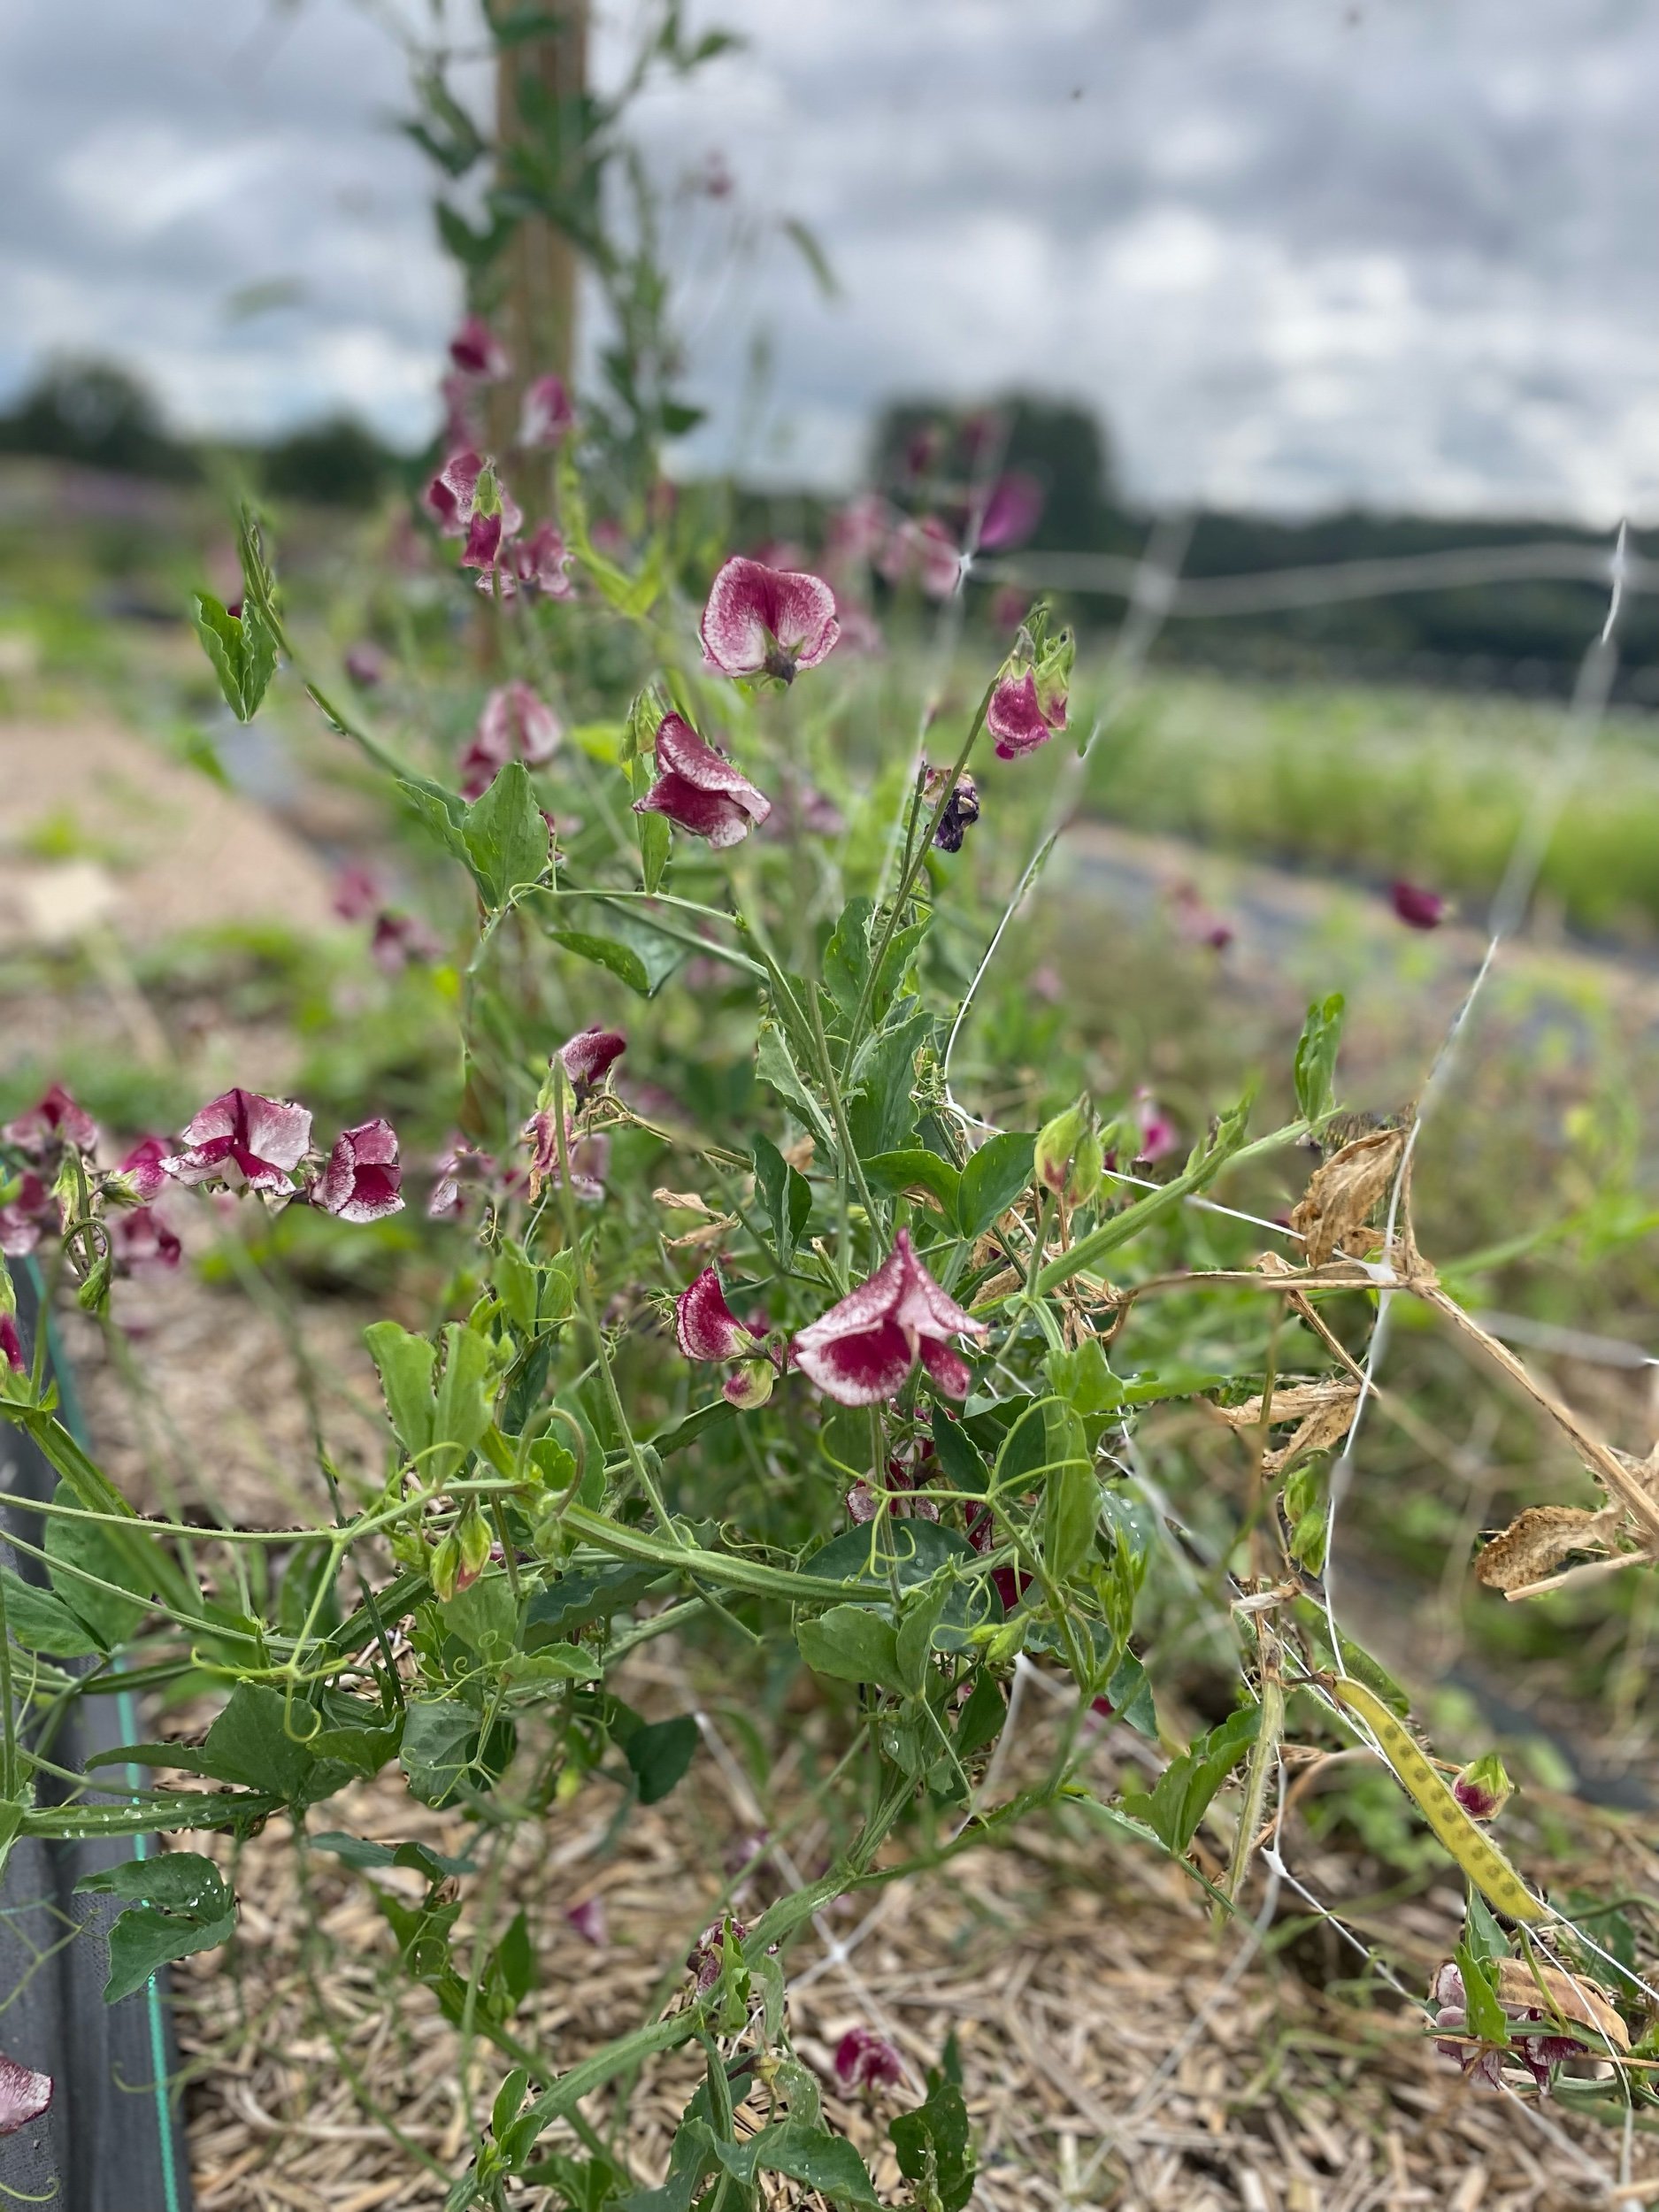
(24, 2094)
(482, 550)
(589, 1918)
(460, 1165)
(905, 1493)
(1012, 511)
(705, 1325)
(398, 939)
(1010, 1583)
(241, 1135)
(363, 1178)
(588, 1158)
(141, 1240)
(864, 2059)
(1535, 2040)
(516, 724)
(1416, 907)
(54, 1122)
(703, 1959)
(862, 1349)
(26, 1216)
(588, 1057)
(365, 664)
(11, 1344)
(961, 812)
(764, 621)
(547, 414)
(477, 351)
(359, 891)
(698, 788)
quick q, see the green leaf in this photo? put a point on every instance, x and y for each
(995, 1175)
(506, 836)
(249, 1743)
(775, 1065)
(357, 1851)
(896, 963)
(659, 1753)
(405, 1364)
(1072, 1499)
(958, 1454)
(899, 1171)
(847, 956)
(145, 1939)
(1175, 1807)
(632, 950)
(905, 1552)
(810, 2156)
(584, 1595)
(442, 816)
(466, 1399)
(1484, 2012)
(881, 1114)
(853, 1644)
(935, 2146)
(980, 1720)
(787, 1196)
(920, 1617)
(1084, 1377)
(1129, 1695)
(1486, 1940)
(40, 1622)
(1316, 1058)
(241, 651)
(512, 1964)
(180, 1904)
(439, 1740)
(715, 1415)
(182, 1881)
(485, 1617)
(94, 1551)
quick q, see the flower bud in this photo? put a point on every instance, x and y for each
(473, 1542)
(1483, 1789)
(749, 1386)
(1068, 1158)
(444, 1572)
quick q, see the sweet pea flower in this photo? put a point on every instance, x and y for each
(141, 1240)
(24, 2094)
(1012, 511)
(706, 1327)
(515, 724)
(1009, 1583)
(704, 1960)
(242, 1134)
(1416, 907)
(588, 1057)
(1483, 1788)
(449, 497)
(1158, 1136)
(363, 1178)
(11, 1343)
(862, 1349)
(54, 1122)
(547, 414)
(398, 939)
(588, 1158)
(1535, 2040)
(764, 621)
(477, 351)
(1030, 701)
(698, 788)
(541, 562)
(365, 664)
(358, 892)
(27, 1216)
(864, 2059)
(961, 812)
(144, 1169)
(858, 531)
(459, 1164)
(926, 551)
(589, 1918)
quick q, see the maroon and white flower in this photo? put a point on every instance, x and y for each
(363, 1179)
(926, 552)
(705, 1326)
(516, 724)
(589, 1157)
(141, 1240)
(1158, 1134)
(1015, 718)
(365, 664)
(242, 1136)
(11, 1344)
(398, 939)
(1535, 2040)
(449, 497)
(547, 414)
(862, 1349)
(358, 892)
(31, 1213)
(864, 2059)
(588, 1057)
(477, 351)
(764, 621)
(144, 1169)
(541, 562)
(704, 1957)
(698, 788)
(54, 1122)
(589, 1918)
(1417, 906)
(24, 2094)
(458, 1168)
(858, 531)
(1011, 512)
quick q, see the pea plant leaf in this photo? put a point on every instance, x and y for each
(241, 651)
(1174, 1808)
(1316, 1058)
(177, 1904)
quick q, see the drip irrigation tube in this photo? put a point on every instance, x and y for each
(111, 2141)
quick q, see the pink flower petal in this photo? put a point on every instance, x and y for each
(705, 1326)
(547, 414)
(141, 1240)
(449, 496)
(54, 1120)
(477, 351)
(1013, 717)
(1417, 906)
(11, 1344)
(699, 789)
(861, 1367)
(767, 621)
(362, 1181)
(949, 1370)
(864, 2059)
(24, 2096)
(589, 1918)
(1012, 511)
(588, 1057)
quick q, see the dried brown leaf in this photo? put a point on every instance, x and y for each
(1344, 1192)
(1573, 1997)
(1537, 1541)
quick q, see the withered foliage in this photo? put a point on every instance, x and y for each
(1345, 1191)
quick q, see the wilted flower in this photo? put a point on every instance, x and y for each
(140, 1239)
(762, 621)
(588, 1158)
(589, 1918)
(588, 1057)
(363, 1178)
(698, 788)
(477, 351)
(905, 1495)
(459, 1164)
(1158, 1137)
(1416, 907)
(11, 1344)
(1012, 511)
(1535, 2040)
(862, 1349)
(1483, 1788)
(400, 938)
(357, 891)
(541, 562)
(1009, 1583)
(31, 1213)
(961, 809)
(703, 1959)
(242, 1134)
(24, 2096)
(864, 2059)
(365, 664)
(54, 1122)
(705, 1326)
(515, 724)
(547, 414)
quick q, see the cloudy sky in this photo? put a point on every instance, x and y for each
(1295, 252)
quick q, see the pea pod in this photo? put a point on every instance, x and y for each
(1470, 1846)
